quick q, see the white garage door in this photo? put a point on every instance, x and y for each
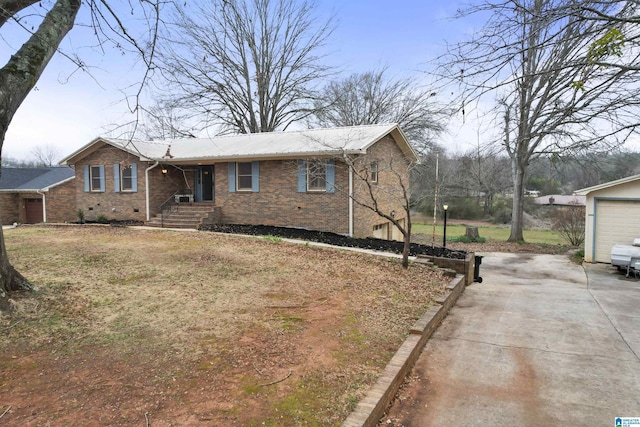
(381, 231)
(617, 221)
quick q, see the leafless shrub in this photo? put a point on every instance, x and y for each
(569, 222)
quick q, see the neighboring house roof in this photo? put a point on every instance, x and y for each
(585, 191)
(561, 200)
(290, 144)
(33, 179)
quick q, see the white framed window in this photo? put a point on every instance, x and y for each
(316, 176)
(373, 172)
(126, 178)
(244, 176)
(96, 178)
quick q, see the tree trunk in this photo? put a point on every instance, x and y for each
(472, 232)
(10, 279)
(407, 242)
(488, 202)
(518, 202)
(17, 78)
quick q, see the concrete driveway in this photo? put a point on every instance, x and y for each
(540, 342)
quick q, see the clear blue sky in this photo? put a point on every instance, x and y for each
(69, 110)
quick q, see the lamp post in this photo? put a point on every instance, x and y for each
(444, 234)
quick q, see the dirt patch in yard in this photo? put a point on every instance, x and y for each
(197, 328)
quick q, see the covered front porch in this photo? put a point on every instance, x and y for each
(193, 204)
(196, 183)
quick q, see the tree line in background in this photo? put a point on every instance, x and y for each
(478, 184)
(561, 76)
(40, 156)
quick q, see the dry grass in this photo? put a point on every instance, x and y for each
(189, 327)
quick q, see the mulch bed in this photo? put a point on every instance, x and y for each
(335, 239)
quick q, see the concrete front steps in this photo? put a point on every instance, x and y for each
(186, 216)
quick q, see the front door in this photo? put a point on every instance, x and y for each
(204, 184)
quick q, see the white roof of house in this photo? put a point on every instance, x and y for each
(585, 191)
(561, 200)
(291, 144)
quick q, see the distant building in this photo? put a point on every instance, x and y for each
(561, 200)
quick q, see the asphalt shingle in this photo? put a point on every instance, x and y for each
(22, 179)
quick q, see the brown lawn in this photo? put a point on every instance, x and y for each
(136, 327)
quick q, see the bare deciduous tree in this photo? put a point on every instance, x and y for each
(533, 55)
(250, 65)
(379, 183)
(568, 221)
(45, 155)
(449, 180)
(619, 16)
(371, 196)
(485, 172)
(372, 98)
(163, 120)
(23, 69)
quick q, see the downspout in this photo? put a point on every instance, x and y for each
(44, 205)
(146, 187)
(350, 200)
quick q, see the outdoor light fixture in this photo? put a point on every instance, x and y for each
(445, 207)
(164, 171)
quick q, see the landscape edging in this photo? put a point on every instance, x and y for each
(371, 409)
(464, 266)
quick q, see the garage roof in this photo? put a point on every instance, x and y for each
(585, 191)
(34, 179)
(290, 144)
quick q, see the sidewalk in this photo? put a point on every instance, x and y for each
(536, 344)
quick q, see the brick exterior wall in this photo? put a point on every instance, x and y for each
(279, 203)
(117, 206)
(123, 205)
(61, 203)
(387, 190)
(9, 208)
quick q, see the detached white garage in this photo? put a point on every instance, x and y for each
(612, 216)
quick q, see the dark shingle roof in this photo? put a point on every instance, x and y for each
(21, 179)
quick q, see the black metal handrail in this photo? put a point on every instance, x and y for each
(172, 205)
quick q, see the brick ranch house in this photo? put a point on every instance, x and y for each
(309, 179)
(34, 195)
